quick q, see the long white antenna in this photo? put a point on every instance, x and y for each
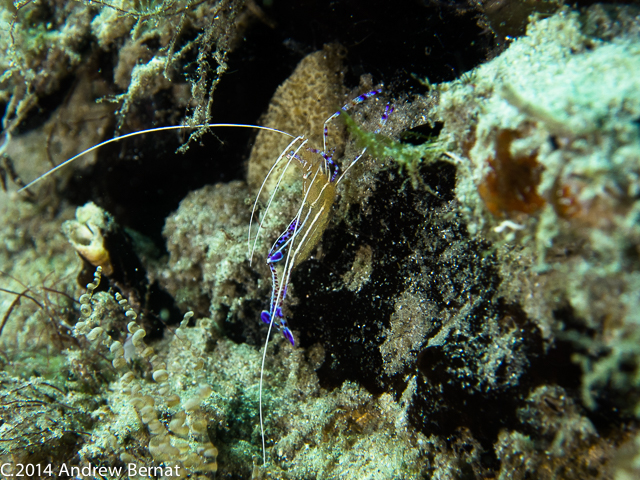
(264, 356)
(150, 130)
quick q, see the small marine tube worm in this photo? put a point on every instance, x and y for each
(87, 235)
(101, 241)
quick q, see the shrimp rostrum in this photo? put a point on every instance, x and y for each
(320, 177)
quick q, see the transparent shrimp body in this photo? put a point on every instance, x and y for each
(303, 233)
(320, 177)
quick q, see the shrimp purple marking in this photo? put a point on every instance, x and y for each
(275, 255)
(359, 99)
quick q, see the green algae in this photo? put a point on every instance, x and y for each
(407, 157)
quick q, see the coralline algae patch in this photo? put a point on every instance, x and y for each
(550, 123)
(547, 145)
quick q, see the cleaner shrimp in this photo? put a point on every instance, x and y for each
(320, 177)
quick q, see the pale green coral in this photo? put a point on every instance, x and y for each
(570, 101)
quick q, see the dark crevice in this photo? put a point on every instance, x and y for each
(350, 324)
(142, 180)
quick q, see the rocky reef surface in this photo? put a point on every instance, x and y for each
(470, 310)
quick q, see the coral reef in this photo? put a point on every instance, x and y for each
(207, 269)
(471, 309)
(46, 42)
(553, 149)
